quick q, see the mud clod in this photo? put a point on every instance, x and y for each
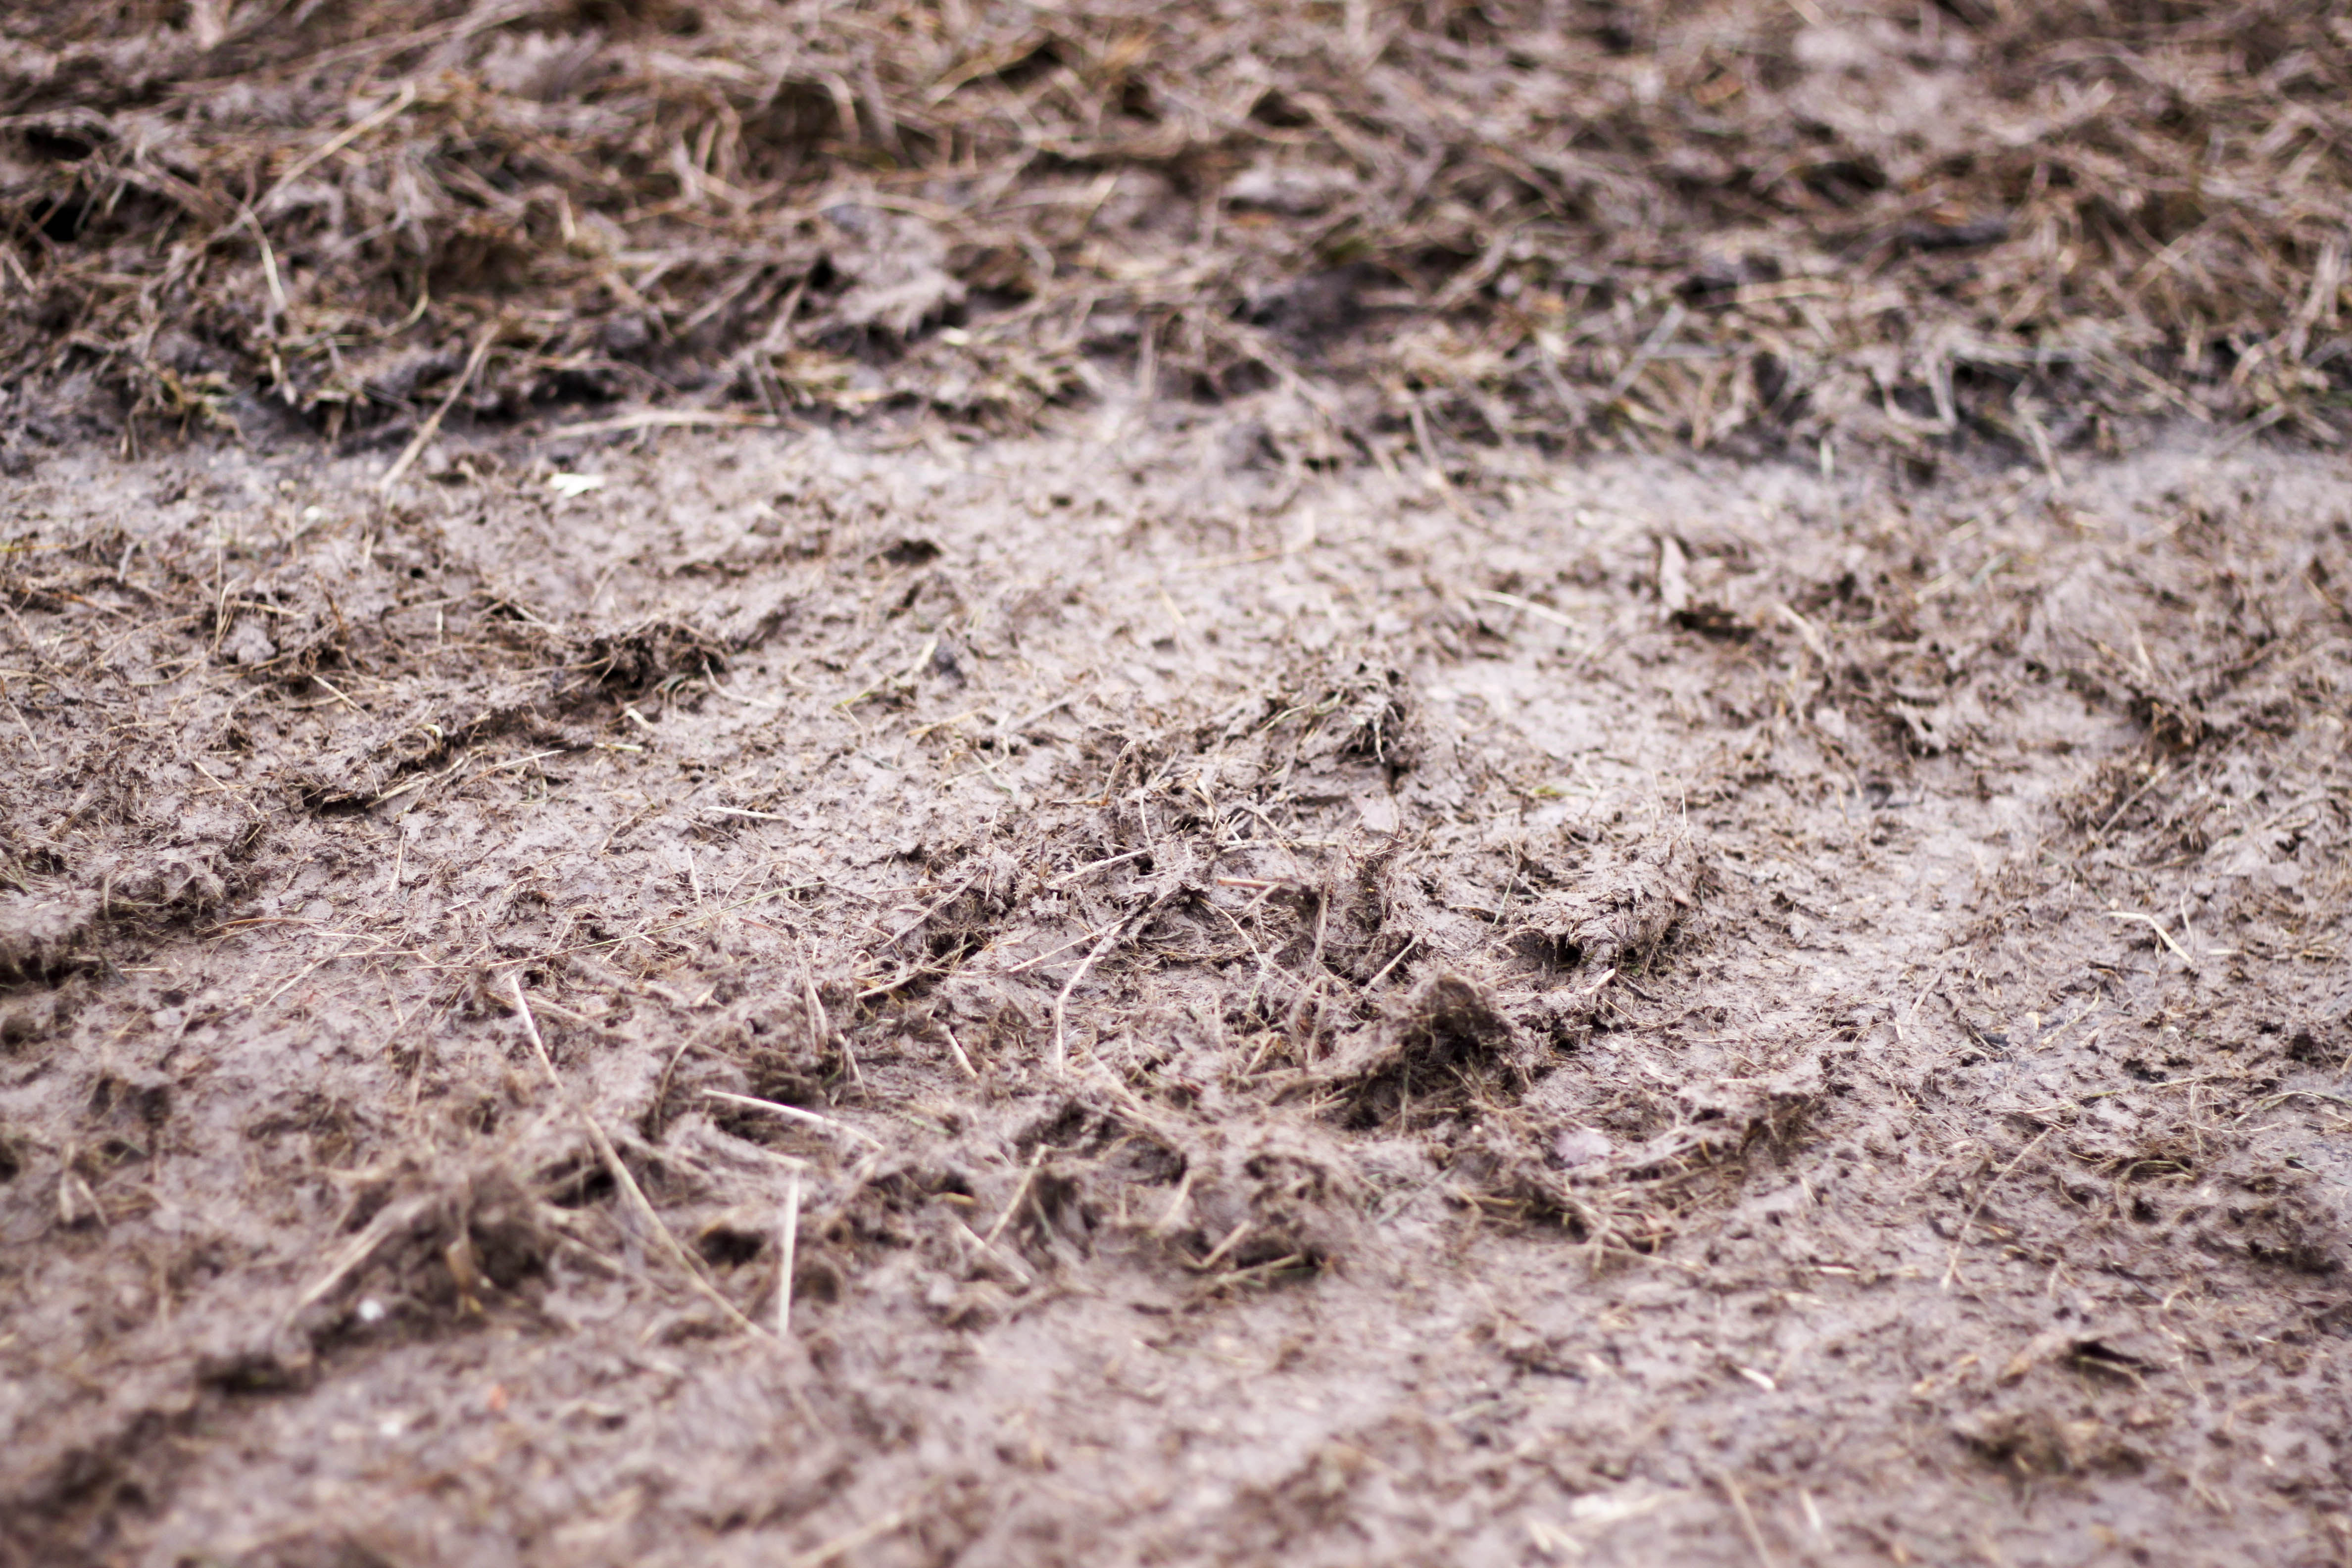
(1286, 1199)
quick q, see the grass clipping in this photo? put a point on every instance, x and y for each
(1741, 222)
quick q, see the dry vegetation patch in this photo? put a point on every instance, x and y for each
(1578, 221)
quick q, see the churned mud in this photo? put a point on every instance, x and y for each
(1264, 784)
(1621, 1010)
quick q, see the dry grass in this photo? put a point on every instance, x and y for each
(1738, 221)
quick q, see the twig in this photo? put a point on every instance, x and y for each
(1035, 1157)
(907, 977)
(1068, 877)
(841, 1546)
(1232, 1238)
(269, 271)
(1911, 1014)
(818, 1025)
(667, 1243)
(1952, 1268)
(2261, 1105)
(1410, 943)
(1027, 964)
(1233, 1276)
(1805, 629)
(718, 690)
(2131, 800)
(1175, 1203)
(2160, 1087)
(794, 1113)
(431, 425)
(659, 418)
(2151, 923)
(1746, 1518)
(1056, 706)
(40, 753)
(516, 763)
(1062, 1002)
(789, 1246)
(962, 1060)
(311, 160)
(363, 1246)
(422, 779)
(951, 895)
(1525, 606)
(1659, 334)
(1002, 1255)
(1437, 474)
(335, 691)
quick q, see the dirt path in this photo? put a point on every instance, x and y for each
(1612, 1013)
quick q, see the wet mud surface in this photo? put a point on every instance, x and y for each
(1602, 1011)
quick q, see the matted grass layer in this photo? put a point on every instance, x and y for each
(1748, 221)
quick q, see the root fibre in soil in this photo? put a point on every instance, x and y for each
(1606, 1014)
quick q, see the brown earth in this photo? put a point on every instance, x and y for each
(1612, 1012)
(1724, 224)
(1271, 965)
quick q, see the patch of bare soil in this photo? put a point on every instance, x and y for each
(1603, 1014)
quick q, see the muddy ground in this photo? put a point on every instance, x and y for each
(1616, 1011)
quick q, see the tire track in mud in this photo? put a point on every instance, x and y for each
(1309, 1018)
